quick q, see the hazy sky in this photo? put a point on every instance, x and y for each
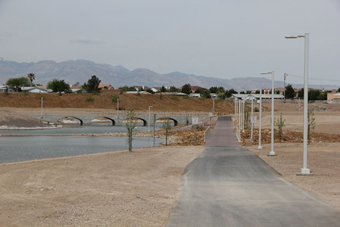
(217, 38)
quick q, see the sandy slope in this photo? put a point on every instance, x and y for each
(108, 189)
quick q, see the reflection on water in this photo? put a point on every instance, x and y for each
(14, 149)
(77, 129)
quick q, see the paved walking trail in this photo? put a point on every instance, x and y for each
(230, 186)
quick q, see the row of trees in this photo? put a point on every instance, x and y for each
(222, 93)
(92, 85)
(55, 85)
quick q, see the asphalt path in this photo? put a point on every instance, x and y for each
(230, 186)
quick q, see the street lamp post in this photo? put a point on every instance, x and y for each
(260, 147)
(304, 170)
(118, 108)
(243, 102)
(42, 107)
(272, 153)
(149, 119)
(239, 115)
(284, 86)
(252, 123)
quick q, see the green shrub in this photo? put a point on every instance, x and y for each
(115, 98)
(89, 99)
(203, 98)
(186, 97)
(256, 109)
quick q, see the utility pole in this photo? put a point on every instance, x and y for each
(118, 108)
(285, 76)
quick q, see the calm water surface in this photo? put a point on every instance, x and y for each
(30, 147)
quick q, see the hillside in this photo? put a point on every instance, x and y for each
(126, 101)
(81, 71)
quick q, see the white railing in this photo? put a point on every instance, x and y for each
(113, 113)
(206, 134)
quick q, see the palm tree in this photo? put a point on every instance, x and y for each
(31, 76)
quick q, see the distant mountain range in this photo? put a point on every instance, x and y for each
(82, 70)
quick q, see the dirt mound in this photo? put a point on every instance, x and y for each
(108, 101)
(13, 119)
(289, 137)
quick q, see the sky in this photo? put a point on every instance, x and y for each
(216, 38)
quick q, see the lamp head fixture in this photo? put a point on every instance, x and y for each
(294, 36)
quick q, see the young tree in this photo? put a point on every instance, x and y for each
(163, 89)
(167, 127)
(18, 82)
(205, 94)
(301, 93)
(290, 92)
(173, 89)
(311, 123)
(280, 124)
(213, 90)
(92, 84)
(31, 77)
(186, 88)
(58, 86)
(229, 93)
(130, 126)
(220, 90)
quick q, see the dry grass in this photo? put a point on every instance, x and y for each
(126, 101)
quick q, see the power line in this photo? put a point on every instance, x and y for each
(311, 78)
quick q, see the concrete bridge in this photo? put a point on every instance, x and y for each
(117, 118)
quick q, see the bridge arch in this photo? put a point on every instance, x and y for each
(141, 120)
(102, 119)
(170, 118)
(70, 120)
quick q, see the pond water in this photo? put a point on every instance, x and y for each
(15, 149)
(39, 144)
(76, 129)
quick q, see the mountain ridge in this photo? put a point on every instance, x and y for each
(81, 70)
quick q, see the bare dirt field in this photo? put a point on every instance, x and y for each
(139, 188)
(101, 102)
(323, 161)
(108, 189)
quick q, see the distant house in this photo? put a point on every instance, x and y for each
(141, 88)
(195, 95)
(4, 87)
(105, 87)
(34, 90)
(281, 90)
(76, 88)
(156, 89)
(333, 97)
(213, 95)
(256, 96)
(194, 88)
(138, 92)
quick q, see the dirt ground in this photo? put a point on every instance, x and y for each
(107, 189)
(323, 161)
(139, 188)
(105, 102)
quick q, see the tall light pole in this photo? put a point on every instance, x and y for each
(260, 147)
(118, 108)
(149, 119)
(304, 170)
(243, 102)
(42, 107)
(272, 153)
(239, 115)
(284, 86)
